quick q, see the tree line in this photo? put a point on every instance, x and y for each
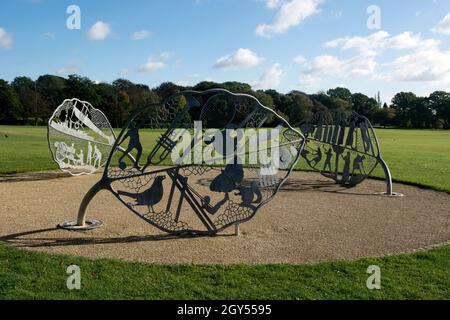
(28, 102)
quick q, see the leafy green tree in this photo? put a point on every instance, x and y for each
(281, 102)
(421, 114)
(51, 93)
(439, 103)
(264, 98)
(81, 88)
(364, 105)
(341, 93)
(332, 102)
(166, 90)
(237, 87)
(26, 92)
(107, 102)
(123, 107)
(206, 85)
(10, 108)
(301, 107)
(384, 117)
(403, 102)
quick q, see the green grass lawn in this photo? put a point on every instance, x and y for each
(418, 157)
(414, 156)
(31, 275)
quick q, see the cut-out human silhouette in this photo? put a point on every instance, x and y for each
(71, 154)
(351, 133)
(346, 170)
(80, 160)
(228, 179)
(358, 172)
(318, 157)
(89, 154)
(248, 194)
(134, 143)
(150, 197)
(327, 165)
(97, 157)
(206, 203)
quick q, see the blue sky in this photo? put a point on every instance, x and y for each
(307, 45)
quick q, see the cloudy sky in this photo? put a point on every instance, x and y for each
(308, 45)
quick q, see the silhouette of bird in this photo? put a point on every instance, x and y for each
(150, 197)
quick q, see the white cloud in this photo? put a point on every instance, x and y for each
(167, 54)
(290, 14)
(271, 4)
(99, 31)
(427, 65)
(152, 65)
(5, 39)
(381, 40)
(299, 59)
(443, 26)
(407, 40)
(69, 69)
(423, 62)
(140, 35)
(362, 44)
(270, 79)
(242, 58)
(327, 66)
(308, 80)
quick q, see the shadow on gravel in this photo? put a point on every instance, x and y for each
(33, 176)
(28, 239)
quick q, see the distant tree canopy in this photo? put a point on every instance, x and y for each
(24, 101)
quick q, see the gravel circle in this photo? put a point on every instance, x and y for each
(310, 220)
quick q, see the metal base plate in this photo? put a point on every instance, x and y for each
(393, 195)
(73, 226)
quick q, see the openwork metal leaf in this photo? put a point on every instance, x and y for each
(341, 145)
(80, 137)
(200, 197)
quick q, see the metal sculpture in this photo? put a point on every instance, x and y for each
(80, 137)
(342, 146)
(208, 135)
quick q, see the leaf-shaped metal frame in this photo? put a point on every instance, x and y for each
(129, 133)
(329, 134)
(88, 116)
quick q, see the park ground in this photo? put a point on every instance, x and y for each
(416, 157)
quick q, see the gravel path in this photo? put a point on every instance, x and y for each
(309, 220)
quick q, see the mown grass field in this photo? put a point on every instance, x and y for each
(418, 157)
(31, 275)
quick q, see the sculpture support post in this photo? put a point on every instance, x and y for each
(81, 223)
(387, 174)
(81, 220)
